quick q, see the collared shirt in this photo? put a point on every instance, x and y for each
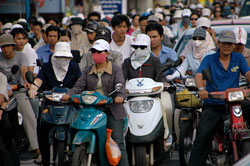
(108, 69)
(222, 78)
(44, 53)
(166, 53)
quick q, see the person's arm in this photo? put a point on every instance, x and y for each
(248, 77)
(125, 70)
(33, 88)
(3, 93)
(199, 83)
(120, 95)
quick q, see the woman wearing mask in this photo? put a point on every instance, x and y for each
(102, 77)
(59, 72)
(202, 45)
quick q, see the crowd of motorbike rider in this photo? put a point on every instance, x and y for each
(95, 53)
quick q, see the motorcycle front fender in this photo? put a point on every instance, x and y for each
(86, 137)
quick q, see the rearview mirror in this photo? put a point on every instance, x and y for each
(177, 62)
(118, 86)
(39, 63)
(14, 69)
(206, 75)
(29, 77)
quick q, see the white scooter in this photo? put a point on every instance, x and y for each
(145, 125)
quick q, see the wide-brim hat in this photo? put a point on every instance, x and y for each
(76, 20)
(6, 39)
(63, 49)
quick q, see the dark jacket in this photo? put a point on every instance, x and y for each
(88, 81)
(150, 69)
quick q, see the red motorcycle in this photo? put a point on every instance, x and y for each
(232, 140)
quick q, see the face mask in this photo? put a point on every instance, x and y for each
(139, 57)
(76, 29)
(60, 66)
(167, 18)
(99, 58)
(186, 20)
(172, 11)
(197, 43)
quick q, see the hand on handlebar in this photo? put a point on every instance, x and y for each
(119, 100)
(32, 93)
(65, 98)
(203, 94)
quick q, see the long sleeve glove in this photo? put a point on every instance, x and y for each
(176, 74)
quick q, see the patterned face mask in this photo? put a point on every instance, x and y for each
(139, 57)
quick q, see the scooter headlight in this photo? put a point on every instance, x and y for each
(89, 99)
(190, 82)
(141, 106)
(55, 96)
(235, 96)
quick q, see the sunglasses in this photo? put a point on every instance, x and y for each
(96, 51)
(193, 19)
(203, 27)
(195, 38)
(141, 47)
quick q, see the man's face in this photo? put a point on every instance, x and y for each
(64, 39)
(52, 37)
(52, 22)
(93, 18)
(226, 48)
(8, 51)
(155, 38)
(143, 25)
(20, 40)
(37, 30)
(239, 47)
(91, 36)
(120, 30)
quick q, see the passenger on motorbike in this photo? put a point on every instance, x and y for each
(102, 77)
(8, 153)
(58, 72)
(202, 46)
(143, 64)
(9, 58)
(225, 66)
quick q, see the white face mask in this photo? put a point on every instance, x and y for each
(76, 29)
(139, 57)
(60, 66)
(197, 43)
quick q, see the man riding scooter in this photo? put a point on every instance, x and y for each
(225, 67)
(58, 72)
(143, 64)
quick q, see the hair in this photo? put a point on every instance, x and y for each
(118, 19)
(97, 14)
(195, 13)
(64, 32)
(154, 27)
(133, 17)
(38, 23)
(53, 28)
(143, 18)
(16, 31)
(32, 19)
(54, 19)
(218, 8)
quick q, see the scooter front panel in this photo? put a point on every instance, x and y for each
(143, 123)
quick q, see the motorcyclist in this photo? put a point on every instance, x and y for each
(102, 77)
(143, 64)
(8, 58)
(225, 66)
(59, 72)
(8, 151)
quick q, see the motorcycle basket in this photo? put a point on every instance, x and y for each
(187, 99)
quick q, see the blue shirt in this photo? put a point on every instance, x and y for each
(47, 75)
(44, 53)
(222, 78)
(166, 53)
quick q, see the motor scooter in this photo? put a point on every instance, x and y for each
(232, 140)
(89, 123)
(57, 115)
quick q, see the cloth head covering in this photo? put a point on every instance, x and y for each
(207, 44)
(60, 60)
(140, 56)
(241, 35)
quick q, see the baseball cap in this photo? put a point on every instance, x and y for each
(16, 26)
(203, 22)
(63, 49)
(6, 26)
(227, 36)
(141, 40)
(103, 33)
(199, 6)
(159, 15)
(186, 12)
(200, 32)
(6, 39)
(92, 26)
(153, 18)
(206, 12)
(101, 45)
(177, 14)
(241, 35)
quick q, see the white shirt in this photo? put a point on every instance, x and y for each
(125, 49)
(32, 56)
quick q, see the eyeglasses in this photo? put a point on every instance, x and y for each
(195, 38)
(141, 47)
(217, 11)
(193, 19)
(96, 51)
